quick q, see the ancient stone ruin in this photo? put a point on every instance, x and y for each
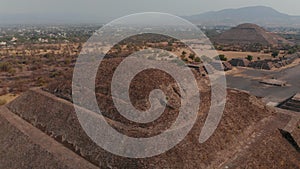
(250, 34)
(40, 128)
(292, 103)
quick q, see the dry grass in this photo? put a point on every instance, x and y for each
(2, 102)
(4, 99)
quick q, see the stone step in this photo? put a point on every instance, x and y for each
(290, 108)
(24, 146)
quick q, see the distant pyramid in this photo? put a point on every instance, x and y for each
(250, 34)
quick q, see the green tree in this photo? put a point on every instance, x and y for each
(292, 51)
(221, 57)
(249, 57)
(275, 54)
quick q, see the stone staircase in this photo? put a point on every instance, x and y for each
(292, 103)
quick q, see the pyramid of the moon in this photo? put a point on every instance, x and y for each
(250, 34)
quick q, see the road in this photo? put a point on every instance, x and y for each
(248, 80)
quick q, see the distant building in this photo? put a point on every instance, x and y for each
(43, 40)
(14, 39)
(262, 64)
(239, 62)
(268, 64)
(3, 43)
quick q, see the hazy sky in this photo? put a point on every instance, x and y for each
(106, 10)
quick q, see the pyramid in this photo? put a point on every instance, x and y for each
(43, 130)
(247, 33)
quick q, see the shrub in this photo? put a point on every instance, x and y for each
(197, 59)
(5, 66)
(169, 48)
(221, 57)
(275, 54)
(292, 51)
(41, 81)
(12, 71)
(54, 74)
(67, 61)
(249, 57)
(192, 56)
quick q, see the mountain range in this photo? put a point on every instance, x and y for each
(261, 15)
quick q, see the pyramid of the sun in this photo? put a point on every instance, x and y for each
(250, 34)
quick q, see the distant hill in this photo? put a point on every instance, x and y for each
(250, 34)
(261, 15)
